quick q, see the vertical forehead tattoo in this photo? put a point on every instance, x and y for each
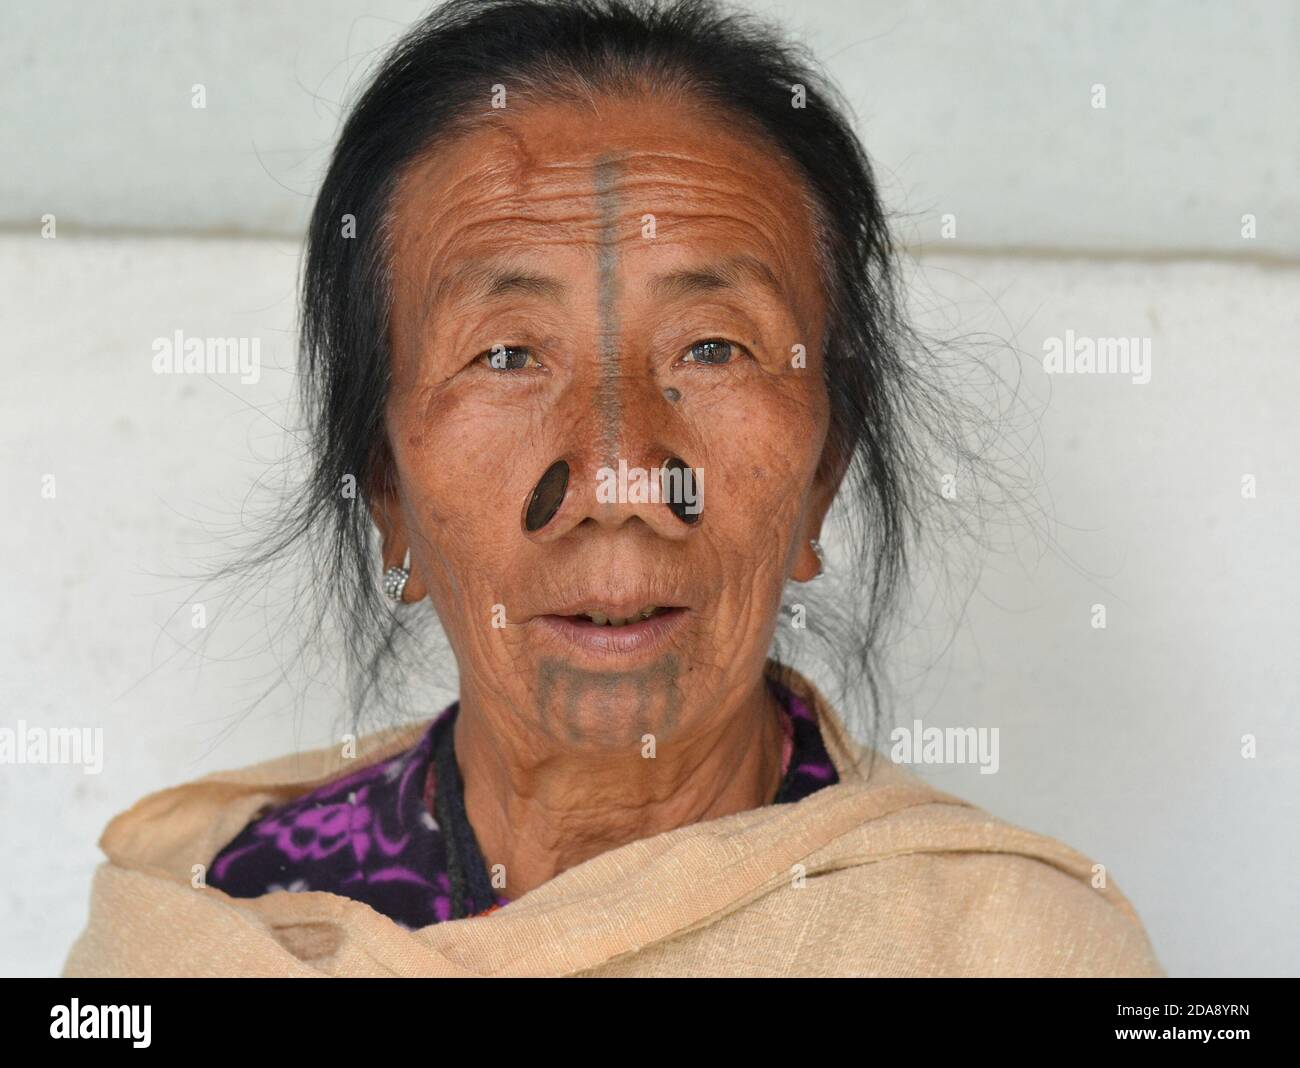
(549, 493)
(607, 210)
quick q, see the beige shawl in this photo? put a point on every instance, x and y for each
(869, 877)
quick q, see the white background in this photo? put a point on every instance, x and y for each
(1124, 221)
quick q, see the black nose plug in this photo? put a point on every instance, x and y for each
(547, 496)
(683, 498)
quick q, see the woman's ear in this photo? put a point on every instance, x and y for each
(826, 484)
(395, 539)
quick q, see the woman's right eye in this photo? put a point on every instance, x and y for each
(508, 358)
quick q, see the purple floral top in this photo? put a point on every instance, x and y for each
(395, 835)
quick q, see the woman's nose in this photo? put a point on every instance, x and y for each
(619, 461)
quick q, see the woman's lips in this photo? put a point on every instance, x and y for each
(641, 638)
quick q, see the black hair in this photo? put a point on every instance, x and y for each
(891, 419)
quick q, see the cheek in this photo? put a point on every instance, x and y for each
(762, 443)
(463, 469)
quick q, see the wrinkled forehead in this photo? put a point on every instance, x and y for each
(559, 186)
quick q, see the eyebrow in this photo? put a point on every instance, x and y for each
(485, 281)
(735, 272)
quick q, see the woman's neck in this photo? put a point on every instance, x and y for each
(539, 808)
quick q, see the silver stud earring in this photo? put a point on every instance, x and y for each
(395, 579)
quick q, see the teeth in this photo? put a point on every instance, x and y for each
(602, 620)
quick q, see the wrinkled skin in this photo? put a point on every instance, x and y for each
(552, 740)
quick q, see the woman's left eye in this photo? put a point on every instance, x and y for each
(711, 351)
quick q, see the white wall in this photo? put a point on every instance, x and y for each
(980, 108)
(1124, 742)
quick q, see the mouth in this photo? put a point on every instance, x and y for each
(610, 617)
(623, 632)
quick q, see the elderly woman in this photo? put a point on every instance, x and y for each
(599, 318)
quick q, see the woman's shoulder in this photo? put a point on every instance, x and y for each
(1031, 917)
(987, 896)
(179, 830)
(982, 896)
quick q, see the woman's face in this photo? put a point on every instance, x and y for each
(612, 292)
